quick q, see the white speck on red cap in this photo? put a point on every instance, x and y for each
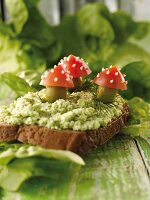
(68, 71)
(124, 75)
(103, 69)
(111, 81)
(123, 81)
(77, 58)
(116, 73)
(55, 79)
(65, 65)
(81, 68)
(67, 79)
(41, 82)
(98, 75)
(55, 66)
(65, 58)
(52, 70)
(73, 65)
(44, 75)
(68, 58)
(110, 66)
(62, 72)
(108, 72)
(126, 82)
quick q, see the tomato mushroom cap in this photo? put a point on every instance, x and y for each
(75, 66)
(111, 78)
(57, 77)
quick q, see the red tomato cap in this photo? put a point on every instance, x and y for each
(111, 78)
(57, 77)
(75, 66)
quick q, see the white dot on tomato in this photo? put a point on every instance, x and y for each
(55, 79)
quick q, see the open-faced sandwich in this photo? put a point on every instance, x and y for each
(66, 115)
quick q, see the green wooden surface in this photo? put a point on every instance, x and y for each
(118, 170)
(144, 148)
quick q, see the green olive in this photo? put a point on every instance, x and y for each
(106, 95)
(54, 93)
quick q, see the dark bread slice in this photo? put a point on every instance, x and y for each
(77, 141)
(80, 142)
(8, 132)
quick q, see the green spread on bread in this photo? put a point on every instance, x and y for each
(80, 111)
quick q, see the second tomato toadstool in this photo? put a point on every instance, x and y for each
(56, 80)
(77, 68)
(110, 80)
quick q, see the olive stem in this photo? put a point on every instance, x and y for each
(77, 82)
(106, 95)
(54, 93)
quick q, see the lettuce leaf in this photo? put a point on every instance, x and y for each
(138, 77)
(68, 28)
(26, 151)
(52, 53)
(30, 57)
(96, 66)
(125, 27)
(15, 55)
(39, 188)
(144, 41)
(88, 34)
(16, 7)
(19, 11)
(139, 123)
(21, 170)
(92, 24)
(21, 162)
(31, 43)
(32, 77)
(6, 29)
(6, 94)
(127, 53)
(96, 34)
(36, 30)
(95, 30)
(18, 85)
(9, 61)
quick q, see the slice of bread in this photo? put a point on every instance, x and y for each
(80, 142)
(8, 132)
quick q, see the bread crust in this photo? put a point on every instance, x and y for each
(80, 142)
(8, 132)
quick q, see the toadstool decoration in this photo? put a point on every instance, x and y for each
(56, 80)
(77, 68)
(110, 80)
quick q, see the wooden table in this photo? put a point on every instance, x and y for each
(119, 170)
